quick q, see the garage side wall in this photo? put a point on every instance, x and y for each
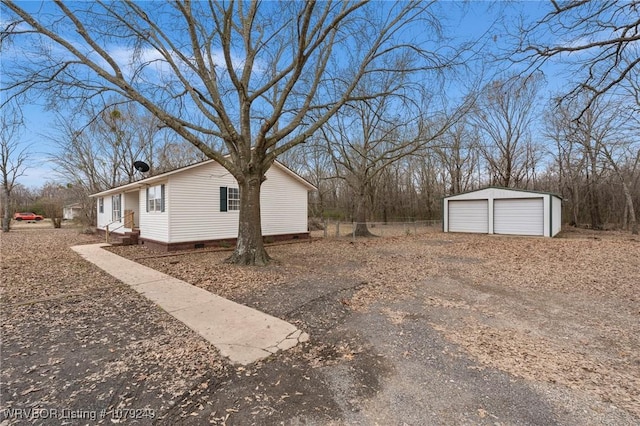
(556, 215)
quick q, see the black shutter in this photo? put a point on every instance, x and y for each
(223, 198)
(147, 199)
(161, 198)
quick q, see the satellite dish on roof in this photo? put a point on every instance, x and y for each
(141, 166)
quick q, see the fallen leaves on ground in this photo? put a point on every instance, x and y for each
(524, 305)
(562, 310)
(74, 337)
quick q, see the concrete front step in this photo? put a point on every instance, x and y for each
(128, 239)
(120, 241)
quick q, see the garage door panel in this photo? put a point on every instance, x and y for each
(469, 216)
(518, 216)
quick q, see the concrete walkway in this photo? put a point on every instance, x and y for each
(242, 334)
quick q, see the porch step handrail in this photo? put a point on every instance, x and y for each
(107, 230)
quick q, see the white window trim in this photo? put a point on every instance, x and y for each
(113, 207)
(234, 200)
(155, 200)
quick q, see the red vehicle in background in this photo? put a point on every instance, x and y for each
(27, 216)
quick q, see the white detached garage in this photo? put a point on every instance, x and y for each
(503, 211)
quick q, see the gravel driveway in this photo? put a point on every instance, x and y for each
(436, 329)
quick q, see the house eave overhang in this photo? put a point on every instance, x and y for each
(163, 176)
(297, 177)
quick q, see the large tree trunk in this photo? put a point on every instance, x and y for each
(6, 218)
(250, 246)
(594, 209)
(593, 202)
(594, 198)
(361, 229)
(575, 208)
(633, 224)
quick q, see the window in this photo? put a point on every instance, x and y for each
(116, 213)
(229, 199)
(234, 199)
(100, 205)
(155, 198)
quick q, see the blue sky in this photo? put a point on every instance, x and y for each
(465, 21)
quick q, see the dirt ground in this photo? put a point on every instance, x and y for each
(418, 329)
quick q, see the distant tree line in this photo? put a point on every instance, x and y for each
(338, 95)
(592, 162)
(372, 166)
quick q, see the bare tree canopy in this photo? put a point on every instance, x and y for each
(367, 137)
(260, 76)
(100, 155)
(597, 39)
(503, 119)
(13, 158)
(458, 152)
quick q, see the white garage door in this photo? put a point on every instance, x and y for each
(518, 216)
(469, 216)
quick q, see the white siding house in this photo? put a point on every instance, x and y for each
(197, 206)
(503, 211)
(71, 211)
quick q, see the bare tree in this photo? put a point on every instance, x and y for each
(599, 147)
(171, 154)
(115, 129)
(458, 153)
(102, 153)
(80, 158)
(568, 157)
(52, 198)
(13, 159)
(503, 117)
(590, 136)
(409, 188)
(633, 159)
(99, 155)
(596, 39)
(22, 198)
(367, 137)
(431, 185)
(621, 151)
(260, 76)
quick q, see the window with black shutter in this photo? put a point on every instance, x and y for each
(223, 198)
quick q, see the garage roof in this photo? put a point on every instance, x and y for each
(505, 189)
